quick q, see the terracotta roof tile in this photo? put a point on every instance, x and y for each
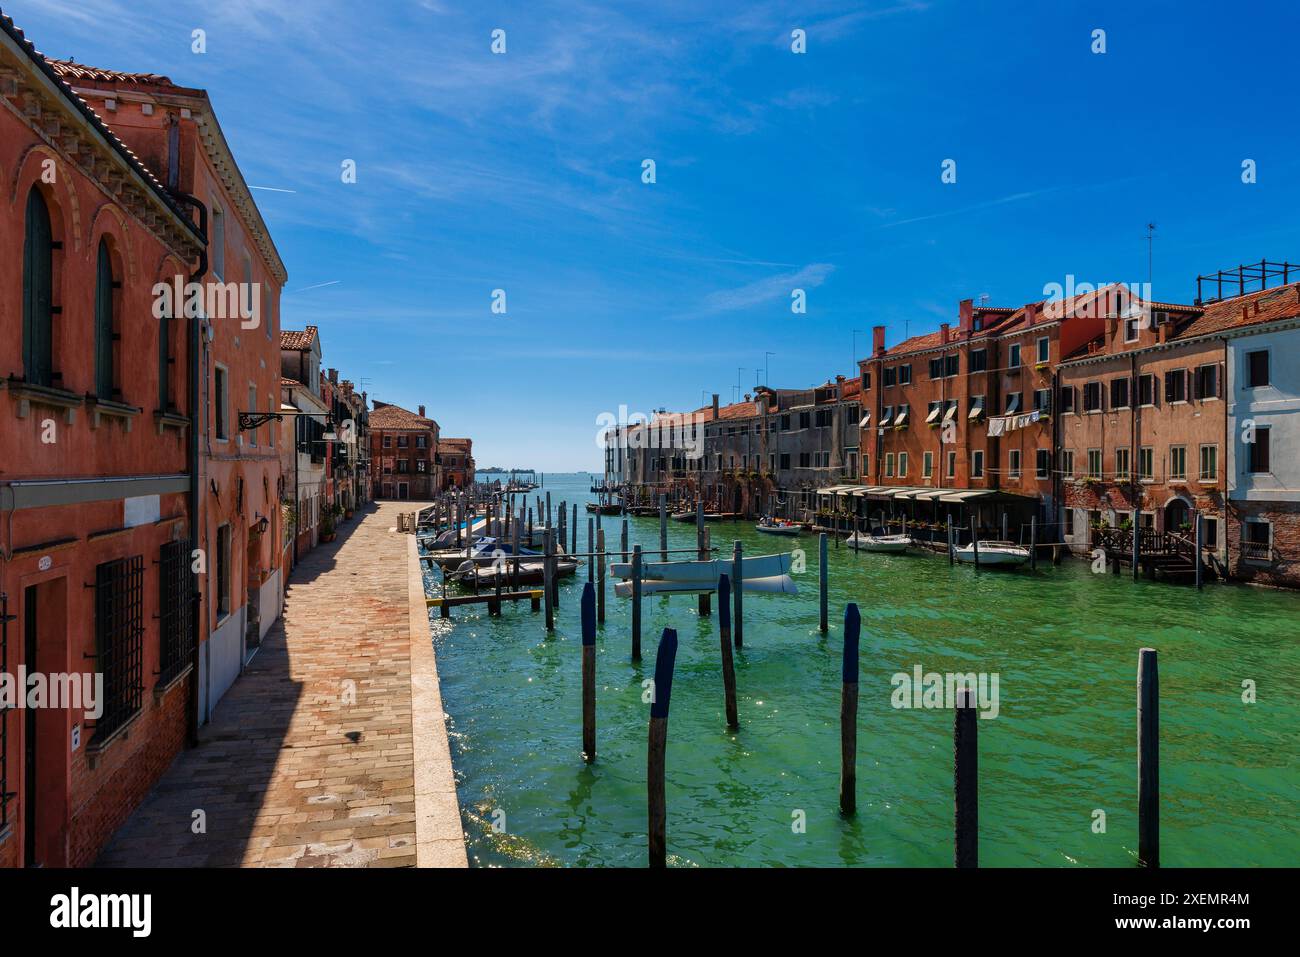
(71, 70)
(298, 339)
(1266, 305)
(395, 417)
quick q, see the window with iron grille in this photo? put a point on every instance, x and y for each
(119, 637)
(175, 611)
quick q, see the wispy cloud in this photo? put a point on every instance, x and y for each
(767, 290)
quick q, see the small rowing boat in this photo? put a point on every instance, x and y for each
(604, 508)
(774, 584)
(879, 543)
(779, 528)
(706, 572)
(1006, 554)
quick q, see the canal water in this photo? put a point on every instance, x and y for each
(1057, 765)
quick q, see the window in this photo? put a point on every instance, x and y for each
(1092, 397)
(952, 365)
(223, 571)
(1044, 349)
(1146, 389)
(1123, 465)
(403, 466)
(164, 358)
(936, 368)
(218, 244)
(175, 604)
(1013, 403)
(1131, 328)
(1257, 369)
(927, 465)
(38, 292)
(1146, 463)
(952, 465)
(252, 407)
(403, 441)
(977, 465)
(1257, 540)
(388, 441)
(1013, 356)
(1067, 462)
(785, 423)
(902, 465)
(221, 414)
(104, 350)
(1209, 463)
(1042, 464)
(119, 641)
(421, 441)
(1067, 399)
(1013, 464)
(1178, 461)
(979, 360)
(805, 460)
(1209, 532)
(1068, 515)
(886, 416)
(1043, 400)
(889, 465)
(890, 376)
(1119, 393)
(1207, 382)
(1176, 385)
(1257, 451)
(1094, 463)
(905, 374)
(932, 416)
(785, 461)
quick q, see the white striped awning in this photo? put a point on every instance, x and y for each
(966, 495)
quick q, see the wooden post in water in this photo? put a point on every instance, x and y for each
(1148, 715)
(591, 556)
(1136, 548)
(623, 541)
(663, 527)
(1033, 543)
(1200, 574)
(701, 554)
(548, 573)
(600, 576)
(857, 530)
(589, 672)
(515, 546)
(974, 541)
(573, 535)
(966, 779)
(636, 602)
(821, 582)
(849, 712)
(549, 524)
(952, 554)
(657, 815)
(738, 570)
(728, 665)
(1004, 525)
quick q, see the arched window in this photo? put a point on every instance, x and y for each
(38, 293)
(164, 358)
(104, 323)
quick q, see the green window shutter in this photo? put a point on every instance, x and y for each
(164, 371)
(38, 293)
(104, 324)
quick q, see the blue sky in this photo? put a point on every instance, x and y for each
(774, 171)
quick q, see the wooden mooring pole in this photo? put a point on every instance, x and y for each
(737, 569)
(823, 621)
(974, 541)
(591, 556)
(657, 812)
(589, 672)
(1148, 719)
(600, 576)
(663, 527)
(1033, 543)
(952, 553)
(849, 712)
(966, 779)
(623, 541)
(1200, 572)
(728, 665)
(574, 534)
(1136, 548)
(702, 548)
(548, 574)
(636, 602)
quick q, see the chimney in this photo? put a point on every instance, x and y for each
(943, 333)
(422, 415)
(1164, 331)
(966, 310)
(334, 376)
(878, 340)
(1031, 313)
(715, 407)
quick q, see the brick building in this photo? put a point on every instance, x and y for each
(404, 453)
(456, 458)
(99, 405)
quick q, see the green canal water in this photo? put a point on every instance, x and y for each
(1063, 642)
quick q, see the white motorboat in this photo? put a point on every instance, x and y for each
(879, 543)
(706, 572)
(778, 528)
(993, 553)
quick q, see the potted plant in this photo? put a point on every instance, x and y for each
(327, 526)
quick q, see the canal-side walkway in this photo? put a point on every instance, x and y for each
(331, 749)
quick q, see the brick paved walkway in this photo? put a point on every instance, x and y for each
(289, 772)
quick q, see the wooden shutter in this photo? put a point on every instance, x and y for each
(38, 292)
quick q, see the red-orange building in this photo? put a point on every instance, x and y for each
(456, 459)
(404, 453)
(97, 406)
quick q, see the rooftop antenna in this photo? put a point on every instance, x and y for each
(1151, 235)
(984, 298)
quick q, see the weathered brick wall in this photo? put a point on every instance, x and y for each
(1285, 517)
(124, 773)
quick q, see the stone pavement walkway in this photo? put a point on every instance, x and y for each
(310, 760)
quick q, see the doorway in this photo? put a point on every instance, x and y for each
(30, 625)
(403, 490)
(44, 803)
(1177, 515)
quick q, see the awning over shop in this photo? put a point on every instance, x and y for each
(865, 421)
(966, 495)
(908, 492)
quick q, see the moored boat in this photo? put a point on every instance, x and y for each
(1007, 554)
(779, 528)
(706, 572)
(772, 584)
(879, 543)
